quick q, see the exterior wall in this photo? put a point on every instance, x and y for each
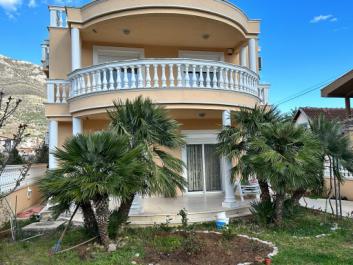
(302, 119)
(64, 132)
(200, 124)
(151, 52)
(346, 188)
(59, 53)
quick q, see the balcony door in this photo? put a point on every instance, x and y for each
(203, 168)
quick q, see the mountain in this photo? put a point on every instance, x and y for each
(25, 81)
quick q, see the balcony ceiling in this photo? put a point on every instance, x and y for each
(164, 30)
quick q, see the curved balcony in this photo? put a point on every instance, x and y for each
(149, 74)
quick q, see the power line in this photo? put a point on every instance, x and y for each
(306, 91)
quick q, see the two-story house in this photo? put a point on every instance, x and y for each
(198, 58)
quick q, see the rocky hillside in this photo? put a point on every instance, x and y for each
(26, 81)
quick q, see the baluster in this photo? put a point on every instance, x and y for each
(64, 94)
(57, 95)
(88, 83)
(111, 79)
(236, 80)
(171, 76)
(221, 80)
(73, 87)
(148, 76)
(164, 78)
(231, 76)
(246, 82)
(139, 77)
(94, 81)
(201, 77)
(99, 80)
(133, 77)
(226, 80)
(187, 78)
(105, 81)
(118, 77)
(194, 77)
(208, 78)
(179, 77)
(77, 85)
(215, 79)
(126, 79)
(155, 75)
(60, 14)
(241, 81)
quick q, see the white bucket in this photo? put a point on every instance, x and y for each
(222, 217)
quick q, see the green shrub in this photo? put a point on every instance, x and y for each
(114, 222)
(184, 218)
(263, 211)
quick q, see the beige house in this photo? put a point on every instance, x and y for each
(198, 58)
(342, 87)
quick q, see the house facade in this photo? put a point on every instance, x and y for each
(198, 58)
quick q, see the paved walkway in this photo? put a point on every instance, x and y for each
(320, 204)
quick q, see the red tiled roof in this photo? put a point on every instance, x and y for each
(339, 114)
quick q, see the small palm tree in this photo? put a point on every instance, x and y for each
(150, 126)
(92, 167)
(336, 148)
(234, 140)
(284, 153)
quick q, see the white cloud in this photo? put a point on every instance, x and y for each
(32, 3)
(10, 5)
(321, 18)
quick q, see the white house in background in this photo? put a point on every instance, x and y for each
(306, 114)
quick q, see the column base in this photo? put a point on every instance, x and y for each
(229, 204)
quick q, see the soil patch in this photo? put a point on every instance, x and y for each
(204, 248)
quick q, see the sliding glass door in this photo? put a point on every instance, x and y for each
(203, 168)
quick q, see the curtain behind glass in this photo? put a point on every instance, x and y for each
(212, 168)
(194, 167)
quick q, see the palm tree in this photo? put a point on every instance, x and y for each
(335, 148)
(234, 140)
(93, 167)
(149, 125)
(284, 153)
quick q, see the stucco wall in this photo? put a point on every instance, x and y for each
(346, 188)
(59, 53)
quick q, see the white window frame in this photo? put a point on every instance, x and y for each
(201, 137)
(116, 51)
(207, 54)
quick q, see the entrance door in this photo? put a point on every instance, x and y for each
(203, 168)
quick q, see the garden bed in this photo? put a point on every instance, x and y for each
(204, 248)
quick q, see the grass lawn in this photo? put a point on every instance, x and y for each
(296, 240)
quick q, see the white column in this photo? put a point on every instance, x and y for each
(137, 205)
(53, 142)
(50, 92)
(229, 195)
(76, 126)
(75, 49)
(243, 57)
(252, 55)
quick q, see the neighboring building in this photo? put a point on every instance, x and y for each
(198, 58)
(305, 115)
(343, 88)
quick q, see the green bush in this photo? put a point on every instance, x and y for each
(263, 211)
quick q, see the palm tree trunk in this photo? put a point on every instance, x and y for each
(279, 204)
(265, 193)
(335, 185)
(102, 216)
(89, 218)
(297, 195)
(124, 210)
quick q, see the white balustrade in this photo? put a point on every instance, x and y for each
(58, 17)
(59, 90)
(158, 74)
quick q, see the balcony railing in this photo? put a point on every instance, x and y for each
(156, 74)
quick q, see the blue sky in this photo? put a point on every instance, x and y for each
(304, 43)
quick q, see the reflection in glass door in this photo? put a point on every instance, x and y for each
(203, 168)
